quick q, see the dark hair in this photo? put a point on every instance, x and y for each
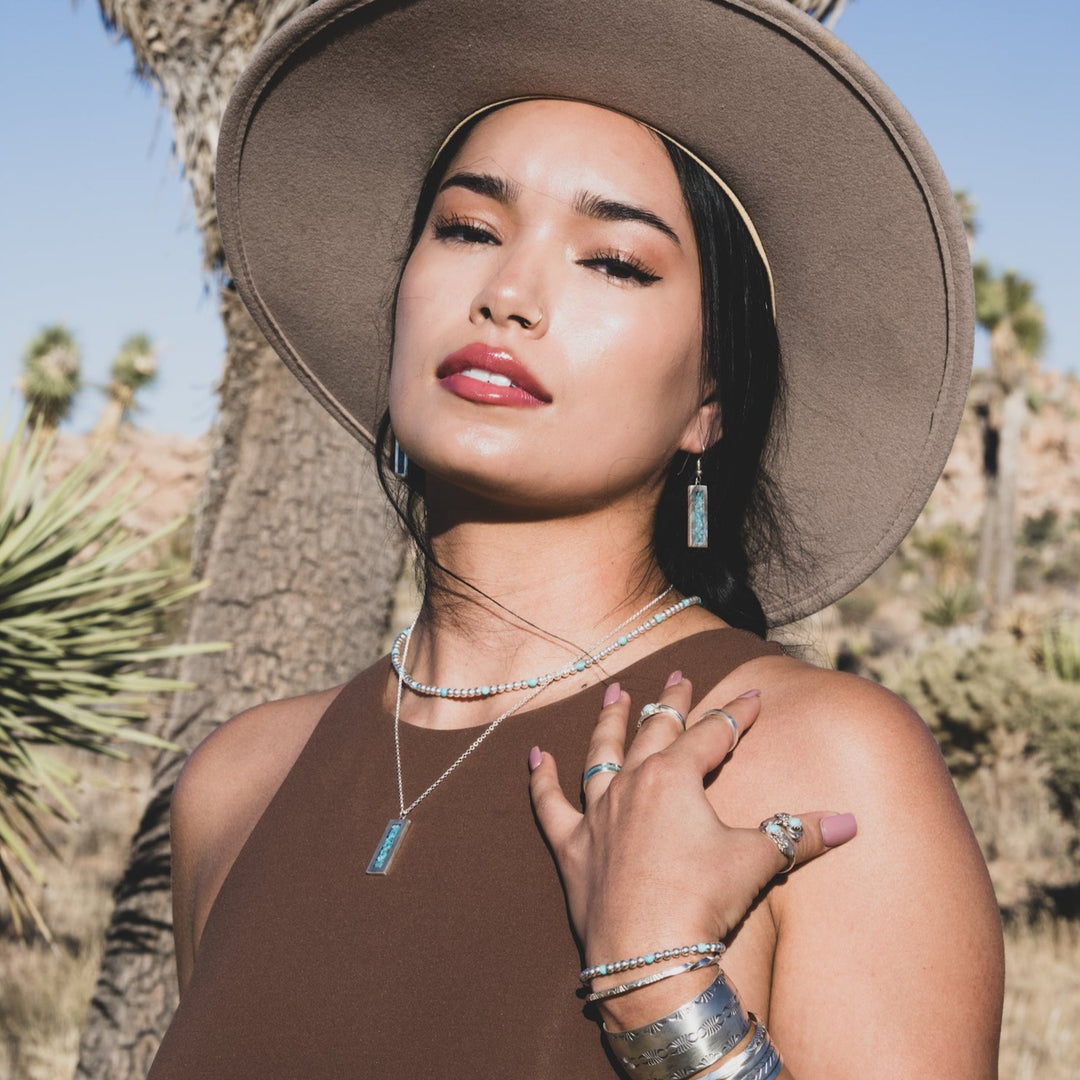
(741, 370)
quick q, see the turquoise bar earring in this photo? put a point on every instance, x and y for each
(697, 512)
(401, 461)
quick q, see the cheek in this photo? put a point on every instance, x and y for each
(651, 352)
(421, 299)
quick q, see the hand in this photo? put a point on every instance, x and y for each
(649, 864)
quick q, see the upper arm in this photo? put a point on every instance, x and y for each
(218, 798)
(206, 810)
(889, 954)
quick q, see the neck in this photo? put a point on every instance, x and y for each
(539, 593)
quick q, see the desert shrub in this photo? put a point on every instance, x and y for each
(951, 548)
(948, 605)
(1030, 572)
(966, 695)
(1039, 529)
(855, 608)
(1008, 732)
(1058, 651)
(1065, 569)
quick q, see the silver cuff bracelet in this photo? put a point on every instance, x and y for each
(758, 1060)
(686, 1041)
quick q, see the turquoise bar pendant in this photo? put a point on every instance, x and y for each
(697, 516)
(395, 831)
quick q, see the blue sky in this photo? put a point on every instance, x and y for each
(96, 230)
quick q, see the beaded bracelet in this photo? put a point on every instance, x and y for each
(705, 948)
(648, 980)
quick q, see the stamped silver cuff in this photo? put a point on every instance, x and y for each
(686, 1041)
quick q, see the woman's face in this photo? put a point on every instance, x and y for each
(547, 350)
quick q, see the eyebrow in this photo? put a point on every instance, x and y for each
(494, 187)
(506, 191)
(595, 206)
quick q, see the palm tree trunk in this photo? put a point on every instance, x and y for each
(987, 412)
(1013, 414)
(295, 536)
(108, 426)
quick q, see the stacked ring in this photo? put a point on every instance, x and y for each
(655, 707)
(604, 766)
(785, 831)
(732, 723)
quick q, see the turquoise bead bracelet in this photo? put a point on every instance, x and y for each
(704, 948)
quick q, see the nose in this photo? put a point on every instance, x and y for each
(511, 294)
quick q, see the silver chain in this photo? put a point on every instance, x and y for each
(407, 810)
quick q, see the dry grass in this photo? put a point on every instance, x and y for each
(1040, 1034)
(44, 992)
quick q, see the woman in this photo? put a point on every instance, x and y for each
(585, 336)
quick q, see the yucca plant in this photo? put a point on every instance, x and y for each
(1059, 650)
(78, 632)
(51, 375)
(134, 367)
(825, 11)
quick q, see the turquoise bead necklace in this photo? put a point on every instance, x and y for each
(396, 828)
(587, 659)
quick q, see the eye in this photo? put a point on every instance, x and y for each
(454, 227)
(621, 267)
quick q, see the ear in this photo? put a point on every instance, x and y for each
(705, 428)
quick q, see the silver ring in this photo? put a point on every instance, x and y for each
(784, 830)
(604, 766)
(655, 707)
(732, 723)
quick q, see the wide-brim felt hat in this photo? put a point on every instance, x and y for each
(333, 125)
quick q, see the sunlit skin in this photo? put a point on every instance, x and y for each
(880, 959)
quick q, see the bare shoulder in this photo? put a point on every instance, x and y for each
(838, 728)
(903, 917)
(219, 796)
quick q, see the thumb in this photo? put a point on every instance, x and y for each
(818, 832)
(553, 810)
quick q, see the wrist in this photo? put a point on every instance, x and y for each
(710, 1037)
(643, 1006)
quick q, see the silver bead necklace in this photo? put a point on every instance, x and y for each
(394, 833)
(586, 660)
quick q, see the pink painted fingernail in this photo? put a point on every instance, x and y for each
(535, 757)
(838, 829)
(749, 693)
(673, 679)
(611, 695)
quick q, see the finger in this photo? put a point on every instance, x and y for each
(803, 836)
(556, 816)
(607, 742)
(711, 736)
(662, 729)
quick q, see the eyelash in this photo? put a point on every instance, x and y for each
(620, 265)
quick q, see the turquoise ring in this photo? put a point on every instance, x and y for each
(604, 766)
(785, 831)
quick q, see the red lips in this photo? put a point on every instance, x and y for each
(526, 390)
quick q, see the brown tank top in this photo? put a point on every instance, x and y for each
(460, 962)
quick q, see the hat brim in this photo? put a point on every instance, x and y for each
(332, 127)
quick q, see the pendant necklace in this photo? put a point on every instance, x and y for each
(396, 828)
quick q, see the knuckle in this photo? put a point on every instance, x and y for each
(656, 771)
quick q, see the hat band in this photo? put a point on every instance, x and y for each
(703, 165)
